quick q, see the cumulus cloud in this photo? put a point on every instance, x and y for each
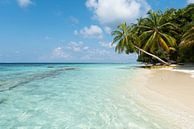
(59, 52)
(190, 1)
(112, 12)
(92, 31)
(24, 3)
(77, 46)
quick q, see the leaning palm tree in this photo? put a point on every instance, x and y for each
(128, 42)
(156, 33)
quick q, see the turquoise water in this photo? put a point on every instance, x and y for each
(70, 96)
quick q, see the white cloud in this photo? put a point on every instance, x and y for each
(95, 54)
(91, 4)
(77, 46)
(106, 44)
(190, 1)
(107, 29)
(111, 12)
(99, 52)
(59, 52)
(93, 31)
(24, 3)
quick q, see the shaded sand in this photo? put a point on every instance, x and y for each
(168, 95)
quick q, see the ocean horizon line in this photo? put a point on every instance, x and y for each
(65, 63)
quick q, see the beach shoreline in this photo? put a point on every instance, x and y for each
(168, 94)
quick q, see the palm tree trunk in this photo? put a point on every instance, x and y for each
(154, 56)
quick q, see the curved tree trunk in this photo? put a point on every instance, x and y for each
(154, 56)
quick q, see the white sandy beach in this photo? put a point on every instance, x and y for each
(174, 85)
(169, 95)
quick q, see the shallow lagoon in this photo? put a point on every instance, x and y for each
(71, 96)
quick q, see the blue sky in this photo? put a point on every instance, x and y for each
(68, 30)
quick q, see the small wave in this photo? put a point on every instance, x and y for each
(188, 70)
(191, 72)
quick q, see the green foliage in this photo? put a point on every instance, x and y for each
(155, 33)
(168, 35)
(186, 47)
(186, 54)
(124, 38)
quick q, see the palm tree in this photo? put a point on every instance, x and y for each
(188, 38)
(128, 42)
(186, 47)
(156, 33)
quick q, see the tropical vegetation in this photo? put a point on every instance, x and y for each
(166, 37)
